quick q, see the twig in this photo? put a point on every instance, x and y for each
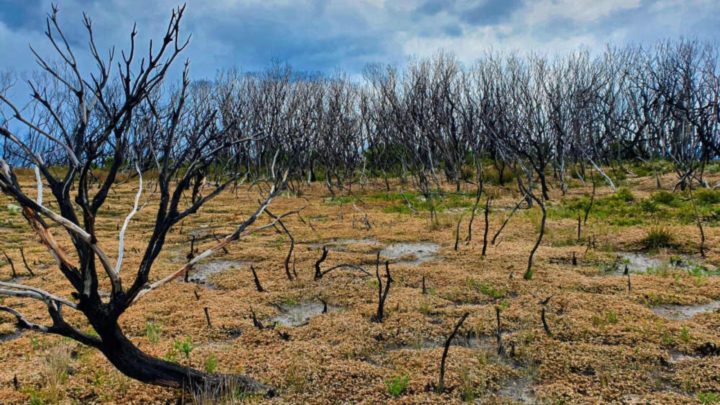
(382, 290)
(487, 226)
(258, 287)
(11, 263)
(498, 332)
(27, 266)
(323, 257)
(448, 341)
(207, 317)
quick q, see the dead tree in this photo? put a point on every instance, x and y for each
(698, 222)
(292, 244)
(325, 306)
(319, 262)
(505, 222)
(12, 265)
(25, 262)
(319, 273)
(498, 331)
(365, 218)
(529, 271)
(589, 206)
(541, 203)
(478, 194)
(626, 273)
(544, 304)
(579, 228)
(383, 290)
(207, 317)
(190, 256)
(544, 322)
(217, 239)
(448, 342)
(126, 121)
(487, 227)
(258, 286)
(255, 320)
(457, 233)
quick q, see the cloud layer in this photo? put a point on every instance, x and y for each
(330, 35)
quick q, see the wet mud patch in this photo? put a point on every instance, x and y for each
(293, 315)
(202, 273)
(676, 356)
(467, 340)
(684, 312)
(342, 245)
(639, 262)
(519, 389)
(412, 253)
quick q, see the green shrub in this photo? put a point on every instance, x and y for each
(658, 238)
(664, 197)
(644, 169)
(467, 173)
(707, 196)
(152, 332)
(211, 364)
(397, 385)
(685, 334)
(184, 346)
(624, 194)
(397, 209)
(649, 206)
(612, 317)
(486, 289)
(492, 176)
(707, 398)
(667, 339)
(35, 399)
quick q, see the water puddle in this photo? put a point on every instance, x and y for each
(684, 312)
(470, 341)
(411, 253)
(204, 231)
(677, 356)
(519, 390)
(201, 273)
(638, 262)
(300, 314)
(642, 263)
(178, 253)
(344, 244)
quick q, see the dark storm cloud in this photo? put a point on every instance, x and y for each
(490, 12)
(18, 14)
(326, 35)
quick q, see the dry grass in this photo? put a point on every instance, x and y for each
(607, 345)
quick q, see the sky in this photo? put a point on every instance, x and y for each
(328, 36)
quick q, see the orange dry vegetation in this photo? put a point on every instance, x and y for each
(607, 345)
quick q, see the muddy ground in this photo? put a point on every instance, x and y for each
(655, 342)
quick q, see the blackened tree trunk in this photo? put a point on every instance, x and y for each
(136, 364)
